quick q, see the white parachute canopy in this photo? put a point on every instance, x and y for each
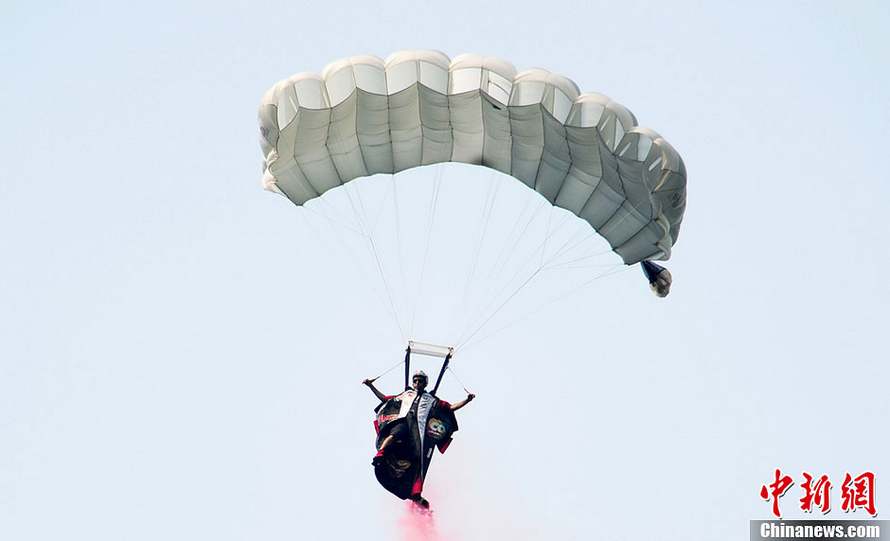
(582, 152)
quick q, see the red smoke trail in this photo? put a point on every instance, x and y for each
(417, 524)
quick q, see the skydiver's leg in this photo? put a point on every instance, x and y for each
(397, 433)
(417, 489)
(386, 441)
(415, 493)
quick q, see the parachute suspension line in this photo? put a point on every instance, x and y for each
(369, 236)
(503, 258)
(339, 234)
(454, 375)
(498, 266)
(546, 237)
(392, 303)
(620, 268)
(508, 299)
(356, 262)
(564, 264)
(567, 248)
(341, 215)
(398, 232)
(512, 250)
(361, 204)
(434, 203)
(567, 266)
(562, 247)
(339, 222)
(521, 267)
(309, 223)
(358, 216)
(390, 191)
(550, 235)
(487, 208)
(387, 371)
(334, 222)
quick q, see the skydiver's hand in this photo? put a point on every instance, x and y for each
(368, 382)
(470, 397)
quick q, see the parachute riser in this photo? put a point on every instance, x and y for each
(408, 368)
(441, 373)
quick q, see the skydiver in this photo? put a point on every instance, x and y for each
(414, 410)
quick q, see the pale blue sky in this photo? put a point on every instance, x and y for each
(181, 352)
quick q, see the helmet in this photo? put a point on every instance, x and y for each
(420, 374)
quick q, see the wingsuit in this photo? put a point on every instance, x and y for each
(409, 425)
(418, 422)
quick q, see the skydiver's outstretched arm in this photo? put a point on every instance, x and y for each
(378, 394)
(458, 405)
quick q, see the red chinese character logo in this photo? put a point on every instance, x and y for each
(859, 492)
(818, 494)
(776, 490)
